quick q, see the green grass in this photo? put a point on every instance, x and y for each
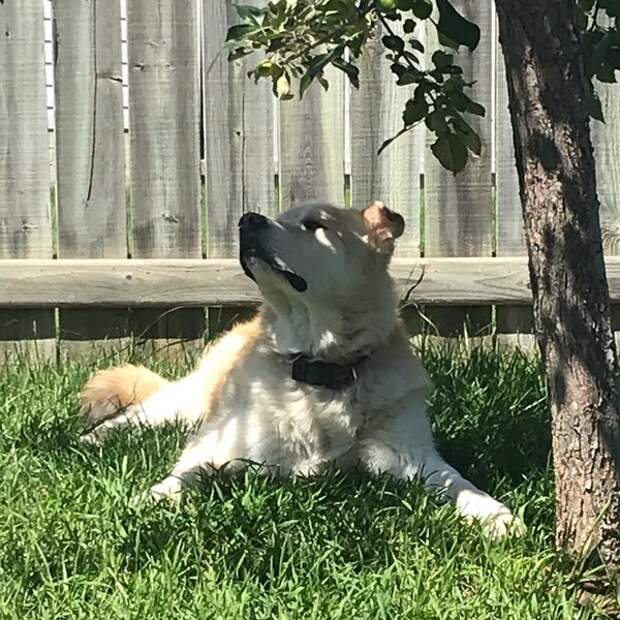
(73, 545)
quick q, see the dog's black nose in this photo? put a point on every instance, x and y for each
(252, 221)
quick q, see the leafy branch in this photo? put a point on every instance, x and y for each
(301, 38)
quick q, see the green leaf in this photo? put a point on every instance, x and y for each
(416, 45)
(322, 81)
(239, 32)
(464, 104)
(467, 134)
(586, 5)
(304, 84)
(612, 57)
(475, 108)
(436, 122)
(451, 152)
(249, 13)
(594, 107)
(318, 63)
(415, 109)
(265, 68)
(595, 49)
(454, 26)
(606, 74)
(408, 77)
(612, 7)
(394, 43)
(408, 26)
(441, 59)
(399, 69)
(447, 41)
(422, 9)
(404, 5)
(352, 72)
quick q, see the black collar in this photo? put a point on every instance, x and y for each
(325, 374)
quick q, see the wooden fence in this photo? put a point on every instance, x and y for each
(130, 146)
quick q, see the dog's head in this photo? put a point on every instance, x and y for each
(322, 253)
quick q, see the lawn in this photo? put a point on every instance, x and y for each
(74, 545)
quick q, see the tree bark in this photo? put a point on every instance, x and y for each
(547, 92)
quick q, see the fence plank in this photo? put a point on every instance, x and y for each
(239, 126)
(90, 158)
(510, 230)
(164, 106)
(25, 224)
(606, 141)
(458, 210)
(393, 176)
(238, 135)
(514, 325)
(312, 145)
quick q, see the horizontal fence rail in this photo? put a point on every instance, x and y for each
(221, 282)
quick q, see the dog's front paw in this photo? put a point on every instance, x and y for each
(91, 438)
(169, 489)
(502, 523)
(496, 519)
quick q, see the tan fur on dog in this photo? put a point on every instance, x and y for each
(109, 391)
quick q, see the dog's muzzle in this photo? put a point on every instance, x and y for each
(253, 247)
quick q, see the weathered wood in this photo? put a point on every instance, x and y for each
(186, 282)
(606, 142)
(238, 135)
(458, 208)
(513, 325)
(164, 120)
(25, 224)
(89, 130)
(394, 176)
(90, 157)
(510, 229)
(239, 145)
(164, 100)
(312, 145)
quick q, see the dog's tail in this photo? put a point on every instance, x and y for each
(110, 391)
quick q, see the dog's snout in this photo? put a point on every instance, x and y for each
(253, 221)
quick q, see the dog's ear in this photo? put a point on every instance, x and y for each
(383, 225)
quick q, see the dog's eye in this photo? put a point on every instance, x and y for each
(311, 225)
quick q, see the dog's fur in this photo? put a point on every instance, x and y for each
(324, 276)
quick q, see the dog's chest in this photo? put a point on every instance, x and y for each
(297, 425)
(323, 420)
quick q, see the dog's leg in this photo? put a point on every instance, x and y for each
(175, 402)
(402, 446)
(470, 501)
(205, 453)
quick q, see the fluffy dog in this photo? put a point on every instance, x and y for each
(324, 374)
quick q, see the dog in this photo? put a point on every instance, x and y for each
(324, 375)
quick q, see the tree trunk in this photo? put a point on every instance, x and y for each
(547, 94)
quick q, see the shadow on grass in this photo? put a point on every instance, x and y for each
(264, 527)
